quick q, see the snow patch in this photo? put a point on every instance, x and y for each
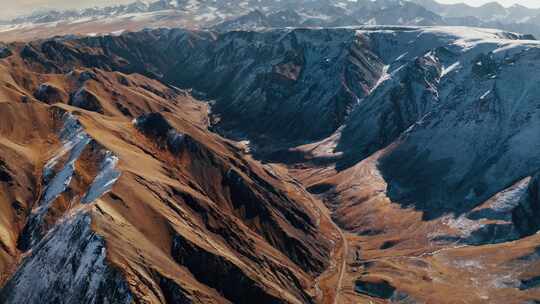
(118, 32)
(401, 56)
(74, 141)
(485, 95)
(450, 69)
(105, 179)
(384, 77)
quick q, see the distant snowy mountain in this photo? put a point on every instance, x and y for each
(394, 12)
(493, 15)
(491, 11)
(256, 14)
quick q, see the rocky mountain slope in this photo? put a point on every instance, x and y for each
(122, 181)
(338, 165)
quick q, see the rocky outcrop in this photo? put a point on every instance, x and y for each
(5, 52)
(50, 94)
(87, 100)
(526, 215)
(5, 174)
(155, 126)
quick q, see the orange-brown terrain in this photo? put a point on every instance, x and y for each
(175, 166)
(194, 219)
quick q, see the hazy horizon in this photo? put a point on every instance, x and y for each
(25, 7)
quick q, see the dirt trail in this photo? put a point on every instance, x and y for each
(343, 267)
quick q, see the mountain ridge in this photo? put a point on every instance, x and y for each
(406, 174)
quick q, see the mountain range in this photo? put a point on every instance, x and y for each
(269, 151)
(235, 14)
(179, 166)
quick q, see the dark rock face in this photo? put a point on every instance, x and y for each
(5, 175)
(484, 66)
(172, 292)
(527, 215)
(492, 234)
(255, 203)
(50, 94)
(87, 75)
(226, 277)
(123, 109)
(85, 99)
(155, 126)
(530, 283)
(5, 52)
(32, 232)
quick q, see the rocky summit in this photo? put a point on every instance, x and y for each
(270, 157)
